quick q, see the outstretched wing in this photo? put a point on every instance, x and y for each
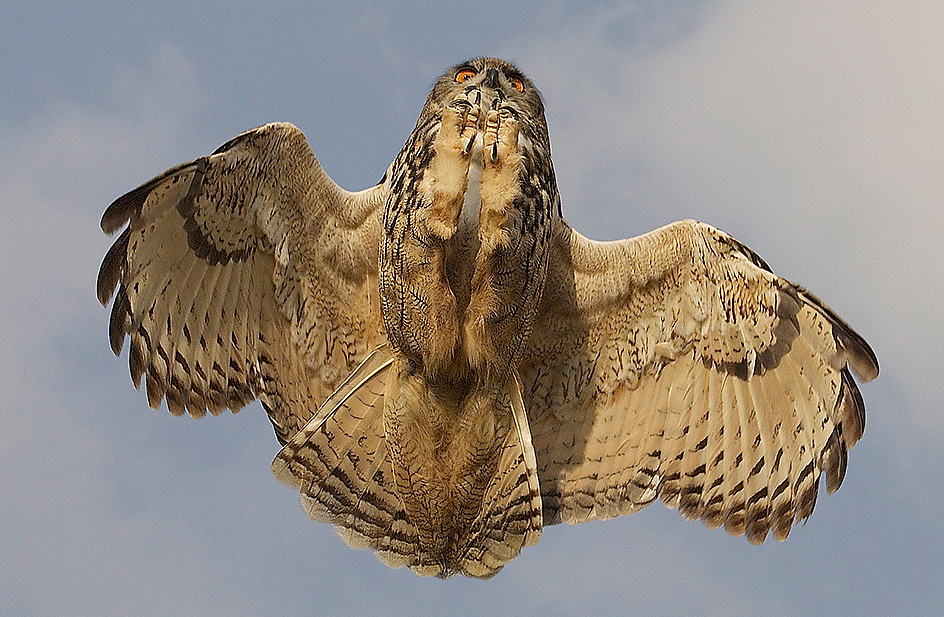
(247, 273)
(676, 365)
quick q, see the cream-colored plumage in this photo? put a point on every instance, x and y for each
(676, 365)
(245, 274)
(451, 367)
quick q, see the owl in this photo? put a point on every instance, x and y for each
(450, 367)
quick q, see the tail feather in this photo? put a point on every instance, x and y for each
(511, 517)
(340, 464)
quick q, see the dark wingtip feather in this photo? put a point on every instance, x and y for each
(155, 389)
(757, 535)
(783, 521)
(128, 205)
(118, 324)
(175, 405)
(852, 410)
(137, 358)
(110, 271)
(758, 521)
(859, 355)
(834, 460)
(122, 209)
(806, 492)
(861, 358)
(736, 523)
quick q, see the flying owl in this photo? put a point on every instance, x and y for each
(450, 367)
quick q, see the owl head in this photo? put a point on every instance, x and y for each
(496, 79)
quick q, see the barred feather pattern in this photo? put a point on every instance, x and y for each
(240, 275)
(511, 517)
(684, 370)
(341, 465)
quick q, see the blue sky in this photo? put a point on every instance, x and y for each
(811, 130)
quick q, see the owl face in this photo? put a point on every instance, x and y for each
(498, 81)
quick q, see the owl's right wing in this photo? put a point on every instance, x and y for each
(675, 365)
(245, 274)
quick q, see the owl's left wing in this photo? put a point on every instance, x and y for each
(676, 365)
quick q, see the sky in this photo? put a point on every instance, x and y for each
(811, 130)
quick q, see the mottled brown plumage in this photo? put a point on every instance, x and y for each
(450, 366)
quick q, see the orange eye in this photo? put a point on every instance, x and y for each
(464, 74)
(518, 84)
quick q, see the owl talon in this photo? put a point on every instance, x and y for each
(467, 105)
(471, 143)
(507, 112)
(501, 133)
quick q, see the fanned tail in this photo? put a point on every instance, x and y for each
(511, 516)
(340, 464)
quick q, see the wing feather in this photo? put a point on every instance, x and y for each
(676, 365)
(244, 274)
(693, 465)
(198, 323)
(649, 472)
(179, 382)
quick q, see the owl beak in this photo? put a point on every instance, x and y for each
(491, 79)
